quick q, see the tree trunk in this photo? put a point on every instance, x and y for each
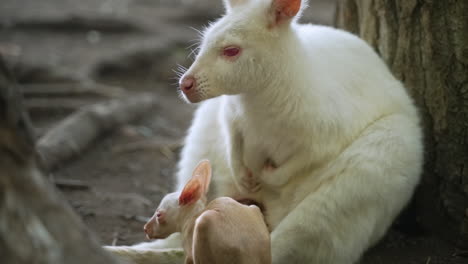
(36, 225)
(425, 44)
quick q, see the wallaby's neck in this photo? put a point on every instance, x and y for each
(283, 95)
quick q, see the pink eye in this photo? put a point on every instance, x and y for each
(231, 51)
(159, 214)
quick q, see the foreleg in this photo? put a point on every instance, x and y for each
(279, 175)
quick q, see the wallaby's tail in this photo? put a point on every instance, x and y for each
(148, 256)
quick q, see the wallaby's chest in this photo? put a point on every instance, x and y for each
(263, 141)
(262, 136)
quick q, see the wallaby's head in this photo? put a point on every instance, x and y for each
(178, 207)
(242, 51)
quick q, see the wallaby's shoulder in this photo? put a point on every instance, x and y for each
(334, 50)
(324, 34)
(328, 39)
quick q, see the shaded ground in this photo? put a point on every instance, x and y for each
(134, 44)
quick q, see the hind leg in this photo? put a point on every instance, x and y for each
(360, 194)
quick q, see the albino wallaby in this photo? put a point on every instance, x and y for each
(224, 231)
(306, 120)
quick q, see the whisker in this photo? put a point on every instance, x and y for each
(177, 71)
(180, 70)
(193, 53)
(194, 42)
(178, 76)
(197, 30)
(180, 94)
(192, 45)
(181, 67)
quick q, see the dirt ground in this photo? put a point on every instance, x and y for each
(135, 44)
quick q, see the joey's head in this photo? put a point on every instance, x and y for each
(244, 51)
(177, 208)
(165, 220)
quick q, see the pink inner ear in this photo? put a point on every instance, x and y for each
(198, 185)
(286, 9)
(191, 193)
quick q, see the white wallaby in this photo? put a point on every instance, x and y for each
(306, 120)
(224, 231)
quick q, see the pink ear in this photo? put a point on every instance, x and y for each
(285, 10)
(198, 185)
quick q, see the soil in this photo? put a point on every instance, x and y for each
(135, 44)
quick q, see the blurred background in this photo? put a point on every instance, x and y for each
(69, 54)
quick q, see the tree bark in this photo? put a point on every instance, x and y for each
(36, 225)
(425, 44)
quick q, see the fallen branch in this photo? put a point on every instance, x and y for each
(71, 184)
(76, 132)
(58, 104)
(72, 89)
(167, 148)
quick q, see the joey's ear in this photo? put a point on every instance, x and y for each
(203, 172)
(229, 4)
(198, 185)
(283, 11)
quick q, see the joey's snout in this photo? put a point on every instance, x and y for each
(148, 227)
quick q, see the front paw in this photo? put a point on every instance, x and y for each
(269, 165)
(249, 182)
(270, 173)
(274, 176)
(188, 260)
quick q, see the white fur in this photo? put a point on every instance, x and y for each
(321, 104)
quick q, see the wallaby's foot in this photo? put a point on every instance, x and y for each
(269, 165)
(250, 182)
(189, 260)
